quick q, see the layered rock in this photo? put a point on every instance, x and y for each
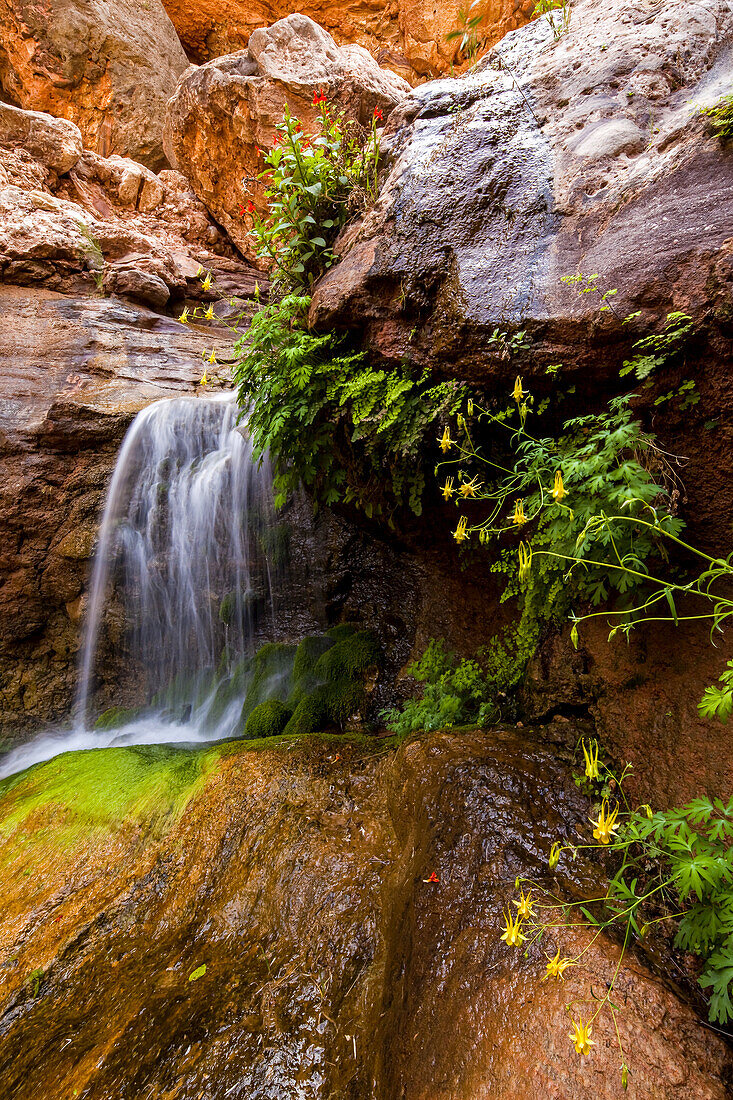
(223, 111)
(584, 153)
(76, 222)
(409, 37)
(109, 66)
(73, 373)
(261, 922)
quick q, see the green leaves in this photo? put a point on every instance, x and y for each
(329, 421)
(717, 702)
(310, 180)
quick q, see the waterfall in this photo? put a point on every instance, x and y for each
(189, 549)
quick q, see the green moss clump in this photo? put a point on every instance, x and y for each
(272, 675)
(309, 652)
(341, 631)
(350, 658)
(267, 720)
(115, 716)
(227, 607)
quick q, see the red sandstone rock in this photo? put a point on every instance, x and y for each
(109, 66)
(222, 111)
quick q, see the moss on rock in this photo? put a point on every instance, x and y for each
(267, 720)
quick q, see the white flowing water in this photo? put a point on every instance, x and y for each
(185, 546)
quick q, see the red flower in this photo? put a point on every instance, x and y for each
(242, 210)
(433, 878)
(319, 97)
(277, 138)
(378, 114)
(250, 207)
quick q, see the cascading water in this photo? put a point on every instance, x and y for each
(188, 546)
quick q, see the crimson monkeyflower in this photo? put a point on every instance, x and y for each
(250, 207)
(378, 116)
(276, 139)
(242, 210)
(319, 97)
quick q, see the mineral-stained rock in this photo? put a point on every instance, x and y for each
(109, 66)
(586, 153)
(315, 922)
(221, 112)
(408, 36)
(73, 373)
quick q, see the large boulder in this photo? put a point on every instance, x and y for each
(107, 65)
(221, 112)
(317, 922)
(409, 37)
(584, 153)
(54, 142)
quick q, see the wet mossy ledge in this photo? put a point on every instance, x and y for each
(79, 795)
(321, 683)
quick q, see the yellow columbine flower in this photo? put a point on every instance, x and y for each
(580, 1037)
(556, 967)
(212, 358)
(513, 936)
(519, 517)
(203, 379)
(606, 824)
(448, 489)
(518, 392)
(445, 442)
(525, 905)
(559, 491)
(460, 532)
(525, 560)
(468, 488)
(206, 283)
(184, 316)
(591, 759)
(209, 314)
(555, 855)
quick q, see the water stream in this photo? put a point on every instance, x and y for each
(189, 550)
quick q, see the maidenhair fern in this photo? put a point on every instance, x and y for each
(332, 422)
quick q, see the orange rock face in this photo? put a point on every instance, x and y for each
(407, 36)
(109, 66)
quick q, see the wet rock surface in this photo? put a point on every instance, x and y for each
(73, 374)
(586, 153)
(295, 874)
(108, 66)
(221, 112)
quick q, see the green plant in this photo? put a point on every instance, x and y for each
(468, 31)
(720, 117)
(315, 182)
(330, 421)
(717, 702)
(94, 255)
(558, 15)
(668, 867)
(652, 352)
(455, 692)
